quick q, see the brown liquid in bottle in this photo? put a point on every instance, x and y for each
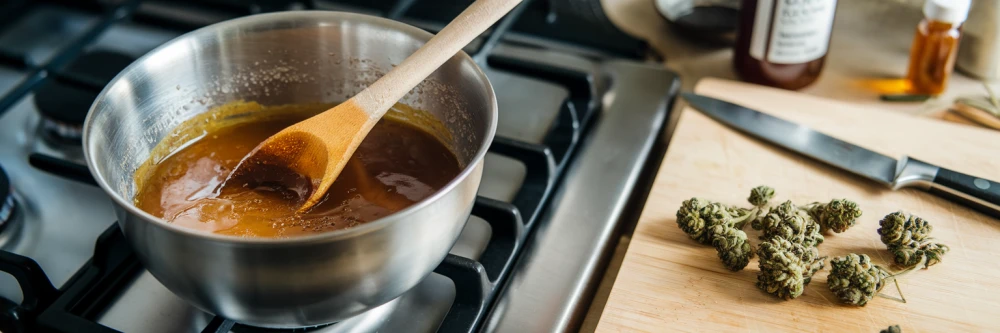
(813, 36)
(932, 56)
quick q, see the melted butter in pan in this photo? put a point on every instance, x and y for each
(397, 165)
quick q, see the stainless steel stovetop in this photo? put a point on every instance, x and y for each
(579, 118)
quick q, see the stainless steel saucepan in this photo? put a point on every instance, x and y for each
(274, 59)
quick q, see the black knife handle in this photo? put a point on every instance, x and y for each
(978, 193)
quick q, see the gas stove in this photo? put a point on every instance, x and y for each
(581, 112)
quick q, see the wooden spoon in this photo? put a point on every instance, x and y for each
(318, 148)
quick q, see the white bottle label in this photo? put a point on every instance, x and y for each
(799, 33)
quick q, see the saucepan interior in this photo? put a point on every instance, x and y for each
(273, 59)
(279, 59)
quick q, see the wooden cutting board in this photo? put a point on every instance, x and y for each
(668, 282)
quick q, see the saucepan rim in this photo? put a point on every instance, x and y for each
(396, 217)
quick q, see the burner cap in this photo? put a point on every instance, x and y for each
(6, 198)
(96, 68)
(62, 103)
(63, 100)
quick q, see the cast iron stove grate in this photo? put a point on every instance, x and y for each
(113, 264)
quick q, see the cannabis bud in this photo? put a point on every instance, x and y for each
(760, 195)
(693, 217)
(912, 253)
(908, 238)
(697, 216)
(785, 267)
(892, 329)
(733, 246)
(837, 215)
(897, 227)
(791, 223)
(855, 280)
(720, 225)
(811, 256)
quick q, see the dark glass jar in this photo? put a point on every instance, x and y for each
(783, 43)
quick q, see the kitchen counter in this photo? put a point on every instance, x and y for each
(869, 46)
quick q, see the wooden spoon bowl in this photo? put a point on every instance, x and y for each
(318, 148)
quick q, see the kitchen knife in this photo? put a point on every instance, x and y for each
(975, 192)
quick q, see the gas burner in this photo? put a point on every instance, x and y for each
(63, 100)
(369, 321)
(63, 107)
(64, 132)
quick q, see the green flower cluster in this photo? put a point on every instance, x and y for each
(696, 216)
(791, 223)
(733, 247)
(790, 236)
(855, 279)
(793, 232)
(908, 238)
(713, 223)
(837, 215)
(786, 267)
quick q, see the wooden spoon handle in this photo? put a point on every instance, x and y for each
(395, 84)
(977, 115)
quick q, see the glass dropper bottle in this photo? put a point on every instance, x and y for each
(935, 46)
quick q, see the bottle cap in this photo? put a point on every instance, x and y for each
(950, 11)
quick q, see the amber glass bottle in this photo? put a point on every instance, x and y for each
(783, 43)
(935, 46)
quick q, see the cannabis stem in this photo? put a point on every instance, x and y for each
(900, 291)
(895, 277)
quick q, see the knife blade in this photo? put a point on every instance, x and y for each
(978, 193)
